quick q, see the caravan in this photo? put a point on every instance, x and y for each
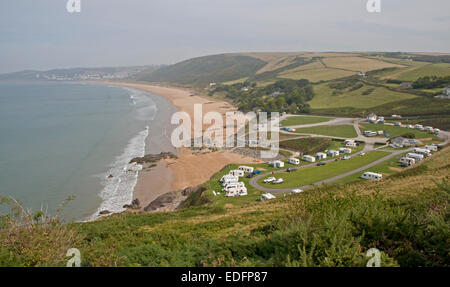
(308, 158)
(321, 156)
(407, 161)
(372, 176)
(294, 160)
(267, 196)
(422, 151)
(237, 172)
(345, 150)
(417, 157)
(431, 147)
(238, 191)
(247, 169)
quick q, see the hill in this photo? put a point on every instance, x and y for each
(405, 215)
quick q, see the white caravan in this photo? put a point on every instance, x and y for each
(371, 176)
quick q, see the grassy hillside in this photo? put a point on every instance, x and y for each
(405, 215)
(204, 70)
(339, 88)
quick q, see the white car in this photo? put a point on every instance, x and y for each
(346, 157)
(363, 153)
(295, 191)
(278, 181)
(270, 179)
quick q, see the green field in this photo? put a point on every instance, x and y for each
(394, 131)
(343, 131)
(324, 98)
(439, 70)
(387, 167)
(316, 75)
(314, 174)
(303, 120)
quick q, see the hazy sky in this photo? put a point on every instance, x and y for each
(41, 34)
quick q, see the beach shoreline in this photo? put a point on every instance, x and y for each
(190, 168)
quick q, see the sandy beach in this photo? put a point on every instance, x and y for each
(190, 168)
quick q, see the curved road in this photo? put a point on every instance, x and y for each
(369, 146)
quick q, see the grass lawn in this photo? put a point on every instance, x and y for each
(387, 167)
(324, 98)
(314, 174)
(344, 131)
(303, 120)
(394, 131)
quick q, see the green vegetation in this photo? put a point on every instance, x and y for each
(313, 174)
(438, 70)
(431, 82)
(405, 216)
(307, 145)
(394, 131)
(282, 96)
(328, 97)
(344, 131)
(204, 70)
(304, 120)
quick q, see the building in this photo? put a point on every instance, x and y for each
(333, 153)
(321, 155)
(447, 91)
(372, 118)
(294, 160)
(371, 176)
(309, 158)
(407, 85)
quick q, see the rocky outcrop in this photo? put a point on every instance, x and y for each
(171, 200)
(135, 204)
(152, 158)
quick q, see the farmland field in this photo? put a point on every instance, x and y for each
(324, 98)
(357, 64)
(439, 70)
(343, 131)
(303, 120)
(316, 75)
(314, 174)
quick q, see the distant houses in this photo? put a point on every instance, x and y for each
(407, 85)
(445, 95)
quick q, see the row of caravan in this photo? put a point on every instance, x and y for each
(230, 182)
(417, 155)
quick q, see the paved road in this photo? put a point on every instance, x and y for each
(369, 146)
(254, 180)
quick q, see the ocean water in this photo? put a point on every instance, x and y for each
(63, 139)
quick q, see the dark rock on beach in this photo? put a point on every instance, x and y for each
(104, 212)
(171, 200)
(151, 158)
(135, 204)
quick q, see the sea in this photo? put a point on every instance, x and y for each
(61, 140)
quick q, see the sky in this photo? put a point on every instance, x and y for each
(42, 34)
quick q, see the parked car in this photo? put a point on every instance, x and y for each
(290, 169)
(250, 175)
(270, 179)
(363, 153)
(321, 163)
(346, 157)
(295, 191)
(278, 181)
